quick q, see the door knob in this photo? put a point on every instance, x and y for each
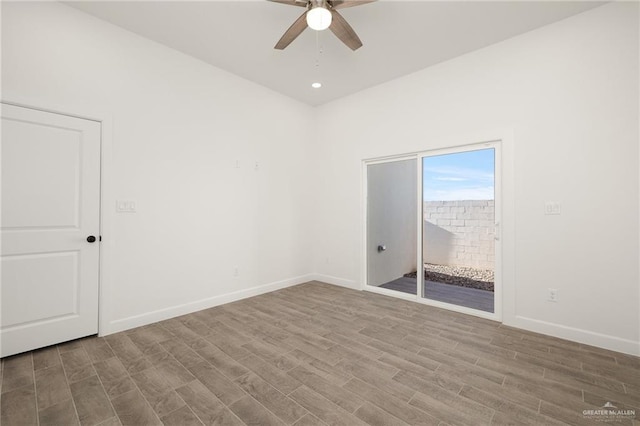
(91, 239)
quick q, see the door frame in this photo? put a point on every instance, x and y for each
(501, 141)
(107, 198)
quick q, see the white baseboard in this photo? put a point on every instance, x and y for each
(537, 326)
(198, 305)
(342, 282)
(586, 337)
(576, 335)
(556, 330)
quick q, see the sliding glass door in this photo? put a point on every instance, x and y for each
(432, 231)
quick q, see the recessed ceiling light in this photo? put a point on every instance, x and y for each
(316, 85)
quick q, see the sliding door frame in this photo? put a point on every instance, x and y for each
(495, 144)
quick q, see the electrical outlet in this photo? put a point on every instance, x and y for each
(552, 295)
(236, 271)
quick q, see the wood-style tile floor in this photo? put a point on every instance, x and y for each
(316, 354)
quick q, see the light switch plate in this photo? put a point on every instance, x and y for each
(125, 206)
(551, 208)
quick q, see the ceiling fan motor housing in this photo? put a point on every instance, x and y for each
(320, 15)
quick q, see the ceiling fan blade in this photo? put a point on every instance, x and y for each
(294, 31)
(343, 4)
(341, 28)
(291, 2)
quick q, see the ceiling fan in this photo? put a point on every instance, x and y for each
(320, 15)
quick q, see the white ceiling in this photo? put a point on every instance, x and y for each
(400, 37)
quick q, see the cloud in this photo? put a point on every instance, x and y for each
(451, 179)
(456, 194)
(452, 173)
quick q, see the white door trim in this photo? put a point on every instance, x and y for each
(106, 193)
(502, 142)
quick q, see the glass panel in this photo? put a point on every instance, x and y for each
(458, 228)
(391, 225)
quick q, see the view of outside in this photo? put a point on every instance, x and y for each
(458, 228)
(458, 236)
(461, 176)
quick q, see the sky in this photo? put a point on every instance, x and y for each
(460, 176)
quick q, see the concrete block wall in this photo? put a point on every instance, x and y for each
(459, 233)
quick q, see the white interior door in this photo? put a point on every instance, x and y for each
(50, 208)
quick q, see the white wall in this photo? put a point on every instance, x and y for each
(391, 213)
(569, 93)
(178, 127)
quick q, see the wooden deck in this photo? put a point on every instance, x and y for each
(481, 300)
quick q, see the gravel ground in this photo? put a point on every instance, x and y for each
(458, 275)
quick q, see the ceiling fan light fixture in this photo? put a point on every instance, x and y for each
(319, 18)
